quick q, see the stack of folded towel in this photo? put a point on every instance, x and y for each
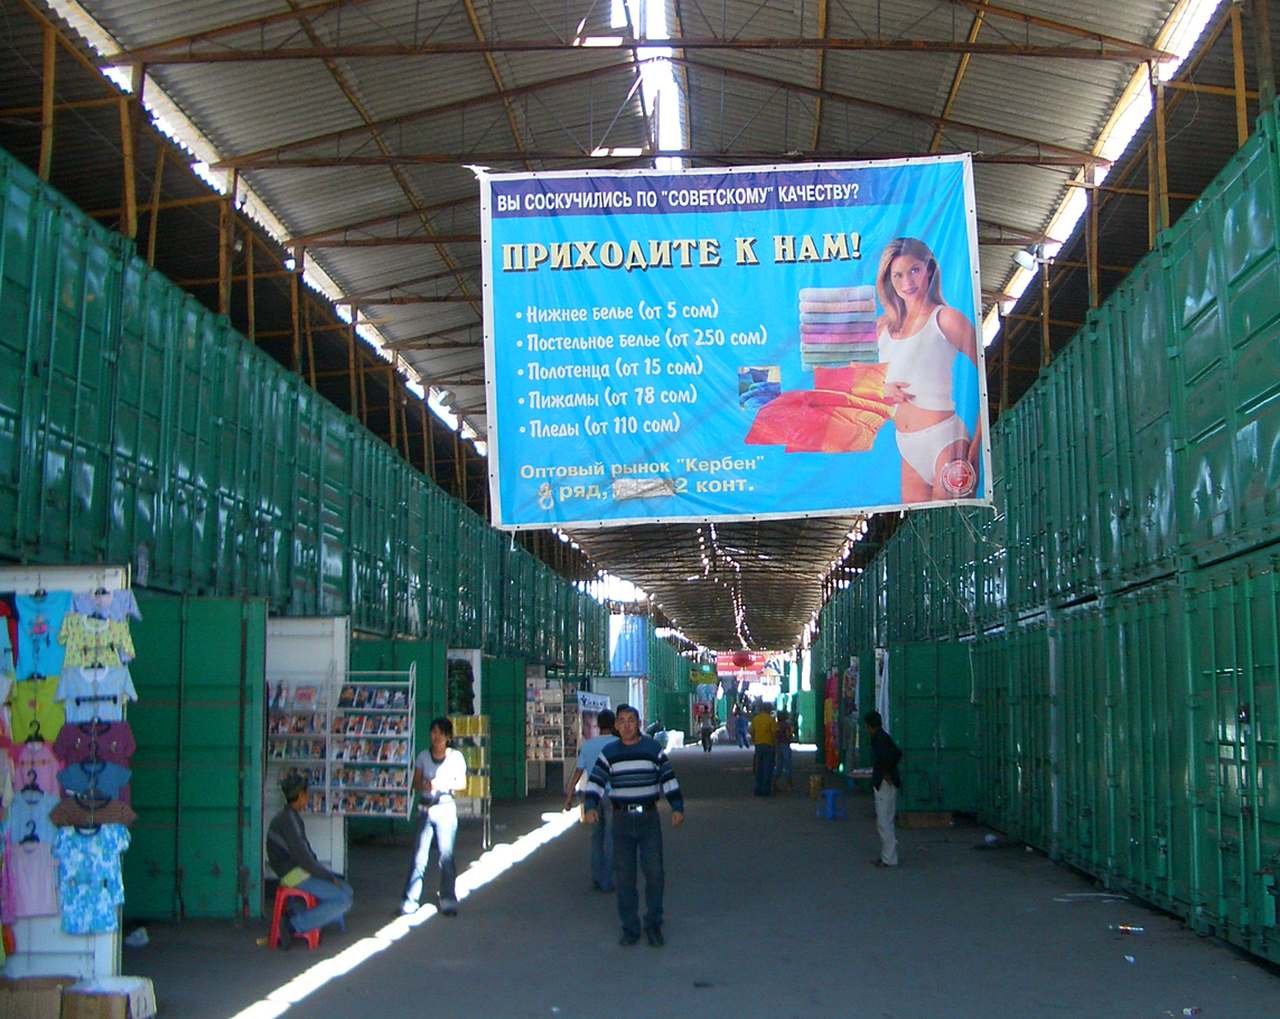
(838, 326)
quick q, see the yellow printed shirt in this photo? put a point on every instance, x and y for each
(34, 711)
(764, 730)
(93, 642)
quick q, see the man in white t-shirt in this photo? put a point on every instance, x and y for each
(601, 834)
(439, 773)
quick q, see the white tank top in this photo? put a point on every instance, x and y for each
(923, 362)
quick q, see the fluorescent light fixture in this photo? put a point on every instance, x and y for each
(626, 150)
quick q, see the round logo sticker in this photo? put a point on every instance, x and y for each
(959, 478)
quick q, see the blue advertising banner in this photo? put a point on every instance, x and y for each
(731, 344)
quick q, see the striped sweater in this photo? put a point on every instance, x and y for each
(639, 773)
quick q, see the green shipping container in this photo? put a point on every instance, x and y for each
(197, 777)
(932, 720)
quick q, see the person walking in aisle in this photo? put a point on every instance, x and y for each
(706, 731)
(764, 731)
(295, 864)
(885, 756)
(629, 776)
(740, 727)
(439, 772)
(601, 834)
(786, 733)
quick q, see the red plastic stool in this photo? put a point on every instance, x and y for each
(283, 894)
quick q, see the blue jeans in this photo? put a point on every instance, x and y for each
(764, 769)
(332, 903)
(439, 824)
(742, 736)
(783, 769)
(638, 835)
(602, 849)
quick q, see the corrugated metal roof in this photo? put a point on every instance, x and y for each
(767, 101)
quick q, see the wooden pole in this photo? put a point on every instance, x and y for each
(1151, 195)
(295, 287)
(226, 231)
(1162, 166)
(364, 388)
(392, 416)
(250, 302)
(153, 222)
(1004, 368)
(1264, 56)
(351, 364)
(1237, 67)
(1046, 351)
(458, 480)
(50, 51)
(404, 426)
(1091, 248)
(428, 467)
(129, 223)
(311, 345)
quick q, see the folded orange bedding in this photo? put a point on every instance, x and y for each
(826, 420)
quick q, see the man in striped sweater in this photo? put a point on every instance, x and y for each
(636, 772)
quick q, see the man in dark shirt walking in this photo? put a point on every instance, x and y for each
(886, 782)
(636, 772)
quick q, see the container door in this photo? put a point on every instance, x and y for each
(197, 773)
(502, 686)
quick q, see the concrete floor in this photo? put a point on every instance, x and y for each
(770, 911)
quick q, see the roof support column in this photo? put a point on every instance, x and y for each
(1162, 166)
(295, 287)
(311, 343)
(226, 233)
(392, 399)
(50, 50)
(250, 305)
(1046, 346)
(1004, 364)
(1237, 69)
(153, 221)
(351, 362)
(1091, 245)
(129, 222)
(1265, 59)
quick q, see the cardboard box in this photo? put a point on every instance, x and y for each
(32, 997)
(109, 998)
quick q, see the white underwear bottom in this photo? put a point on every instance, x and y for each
(921, 449)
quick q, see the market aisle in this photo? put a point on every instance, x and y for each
(772, 911)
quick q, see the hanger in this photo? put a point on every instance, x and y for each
(100, 592)
(33, 782)
(39, 594)
(35, 735)
(30, 836)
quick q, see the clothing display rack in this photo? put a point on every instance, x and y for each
(86, 761)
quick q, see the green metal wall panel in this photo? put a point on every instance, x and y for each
(1233, 611)
(932, 720)
(198, 770)
(503, 693)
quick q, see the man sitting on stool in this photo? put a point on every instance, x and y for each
(295, 864)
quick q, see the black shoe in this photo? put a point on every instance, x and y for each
(654, 934)
(628, 938)
(595, 886)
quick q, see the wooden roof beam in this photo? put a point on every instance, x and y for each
(456, 106)
(1081, 157)
(1124, 53)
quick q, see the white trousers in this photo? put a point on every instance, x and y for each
(886, 810)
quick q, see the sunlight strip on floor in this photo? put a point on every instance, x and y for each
(489, 867)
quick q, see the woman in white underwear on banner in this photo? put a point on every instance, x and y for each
(918, 336)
